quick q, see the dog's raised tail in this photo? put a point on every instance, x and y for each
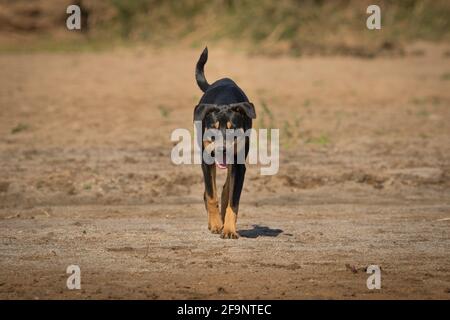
(199, 71)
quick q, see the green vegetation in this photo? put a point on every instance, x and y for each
(296, 27)
(445, 76)
(19, 128)
(322, 140)
(286, 26)
(164, 111)
(291, 133)
(265, 118)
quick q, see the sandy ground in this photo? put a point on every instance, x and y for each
(86, 178)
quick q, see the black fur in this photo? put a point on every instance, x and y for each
(223, 102)
(199, 73)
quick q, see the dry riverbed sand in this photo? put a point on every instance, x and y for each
(86, 178)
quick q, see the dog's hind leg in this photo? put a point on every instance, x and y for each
(210, 197)
(235, 182)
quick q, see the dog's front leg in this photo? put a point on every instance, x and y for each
(210, 197)
(233, 186)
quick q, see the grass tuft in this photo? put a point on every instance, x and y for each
(19, 128)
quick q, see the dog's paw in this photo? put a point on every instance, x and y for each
(215, 228)
(229, 235)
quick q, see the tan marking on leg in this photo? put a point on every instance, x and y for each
(224, 199)
(229, 227)
(215, 224)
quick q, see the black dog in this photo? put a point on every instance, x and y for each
(223, 106)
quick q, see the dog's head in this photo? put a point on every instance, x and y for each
(223, 119)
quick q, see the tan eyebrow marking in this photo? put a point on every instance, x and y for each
(229, 125)
(216, 125)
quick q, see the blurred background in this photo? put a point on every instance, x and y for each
(292, 27)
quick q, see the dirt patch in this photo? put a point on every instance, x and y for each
(363, 179)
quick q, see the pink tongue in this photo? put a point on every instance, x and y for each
(221, 165)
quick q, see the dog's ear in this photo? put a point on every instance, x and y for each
(202, 110)
(247, 107)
